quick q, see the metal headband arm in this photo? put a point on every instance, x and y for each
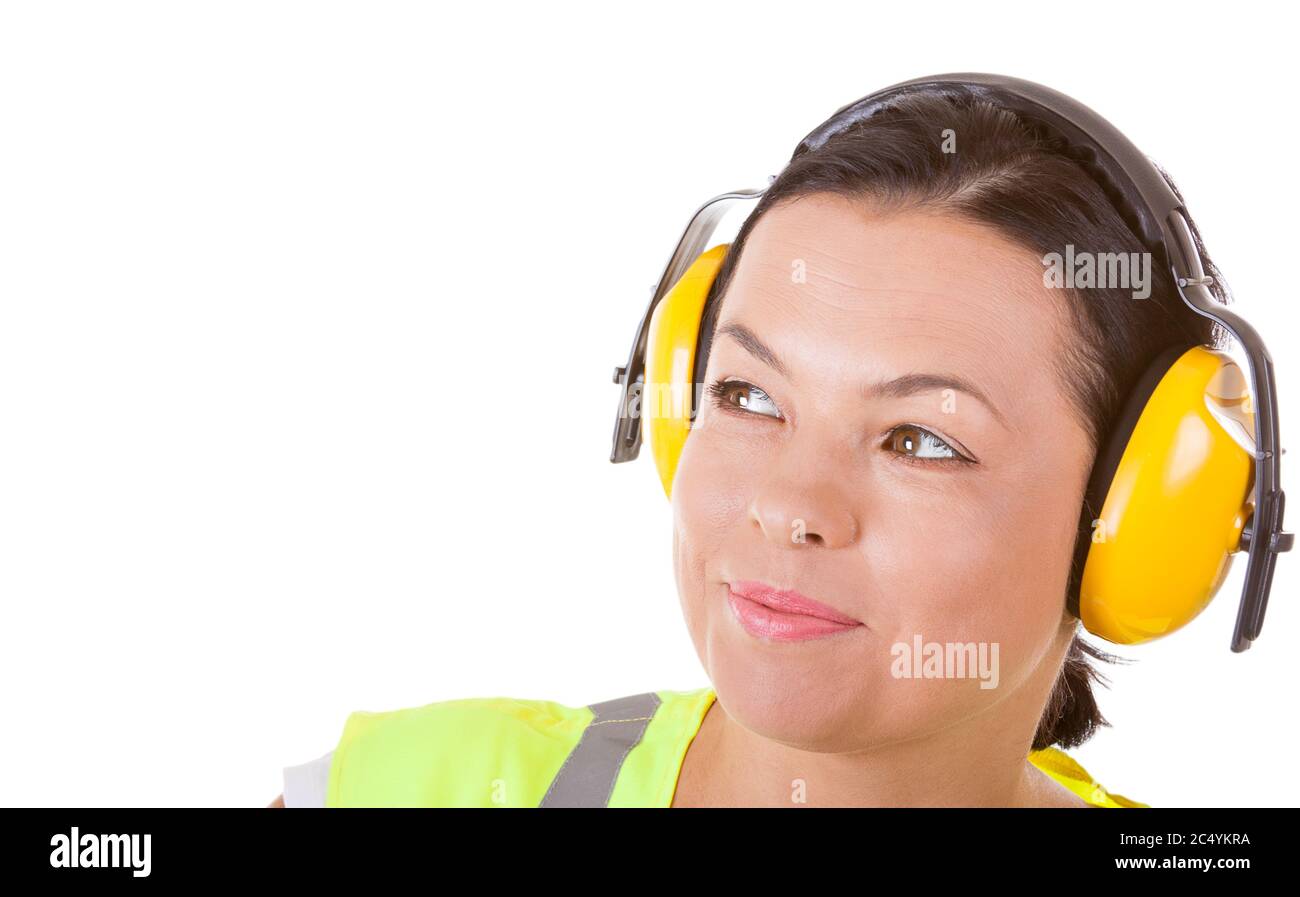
(1263, 536)
(631, 377)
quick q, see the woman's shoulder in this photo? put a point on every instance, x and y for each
(1069, 772)
(477, 751)
(483, 715)
(438, 732)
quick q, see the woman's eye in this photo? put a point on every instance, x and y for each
(739, 396)
(918, 445)
(910, 443)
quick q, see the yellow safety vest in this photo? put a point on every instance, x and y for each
(507, 752)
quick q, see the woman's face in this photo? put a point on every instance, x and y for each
(812, 476)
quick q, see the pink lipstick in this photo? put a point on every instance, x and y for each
(783, 615)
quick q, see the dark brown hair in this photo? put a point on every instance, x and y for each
(1024, 184)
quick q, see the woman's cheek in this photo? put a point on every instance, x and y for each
(699, 502)
(956, 572)
(710, 487)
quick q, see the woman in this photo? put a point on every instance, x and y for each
(899, 420)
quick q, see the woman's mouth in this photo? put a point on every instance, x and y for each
(781, 615)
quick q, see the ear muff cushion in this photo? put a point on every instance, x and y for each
(667, 398)
(1177, 487)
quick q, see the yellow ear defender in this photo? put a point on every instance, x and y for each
(1171, 492)
(668, 402)
(1188, 475)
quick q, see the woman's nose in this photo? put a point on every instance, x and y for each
(795, 514)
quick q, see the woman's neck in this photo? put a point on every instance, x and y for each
(963, 766)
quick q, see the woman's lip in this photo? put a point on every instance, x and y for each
(762, 620)
(788, 601)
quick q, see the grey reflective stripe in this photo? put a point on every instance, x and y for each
(589, 772)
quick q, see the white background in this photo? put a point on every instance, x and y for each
(308, 317)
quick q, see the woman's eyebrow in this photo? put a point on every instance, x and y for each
(898, 387)
(912, 384)
(754, 346)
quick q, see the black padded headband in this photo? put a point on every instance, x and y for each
(1130, 180)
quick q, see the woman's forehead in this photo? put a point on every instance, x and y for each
(829, 279)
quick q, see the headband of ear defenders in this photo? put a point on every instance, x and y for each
(1144, 199)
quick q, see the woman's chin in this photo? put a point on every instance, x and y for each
(810, 698)
(789, 715)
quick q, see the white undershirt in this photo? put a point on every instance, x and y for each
(306, 783)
